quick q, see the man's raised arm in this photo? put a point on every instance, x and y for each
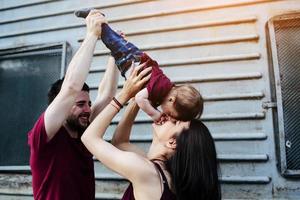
(76, 74)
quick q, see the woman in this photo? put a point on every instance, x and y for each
(181, 162)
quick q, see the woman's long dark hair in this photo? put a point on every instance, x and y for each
(194, 166)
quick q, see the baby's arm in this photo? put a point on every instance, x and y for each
(143, 102)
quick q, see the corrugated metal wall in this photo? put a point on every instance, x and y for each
(219, 46)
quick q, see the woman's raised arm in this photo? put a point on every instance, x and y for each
(122, 133)
(120, 161)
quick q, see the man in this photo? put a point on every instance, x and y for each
(61, 166)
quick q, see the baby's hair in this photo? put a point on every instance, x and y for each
(188, 102)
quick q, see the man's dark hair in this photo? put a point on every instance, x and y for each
(56, 86)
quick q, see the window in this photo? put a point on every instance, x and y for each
(25, 76)
(284, 37)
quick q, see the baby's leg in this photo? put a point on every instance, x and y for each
(132, 67)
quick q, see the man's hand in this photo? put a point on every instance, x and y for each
(94, 21)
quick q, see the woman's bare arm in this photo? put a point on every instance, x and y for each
(122, 133)
(125, 163)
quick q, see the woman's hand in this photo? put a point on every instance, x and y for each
(134, 83)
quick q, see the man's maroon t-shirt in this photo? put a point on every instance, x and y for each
(159, 84)
(62, 168)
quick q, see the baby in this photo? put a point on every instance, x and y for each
(178, 102)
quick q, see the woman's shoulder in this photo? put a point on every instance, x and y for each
(149, 185)
(147, 169)
(142, 169)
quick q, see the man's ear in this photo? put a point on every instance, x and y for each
(171, 143)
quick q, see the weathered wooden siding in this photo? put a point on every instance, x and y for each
(219, 46)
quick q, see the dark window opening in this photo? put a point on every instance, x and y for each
(25, 77)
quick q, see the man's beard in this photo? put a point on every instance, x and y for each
(74, 124)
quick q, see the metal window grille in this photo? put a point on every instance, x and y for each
(284, 32)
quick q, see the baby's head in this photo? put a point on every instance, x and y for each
(183, 103)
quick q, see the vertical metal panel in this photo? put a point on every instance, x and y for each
(287, 38)
(284, 33)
